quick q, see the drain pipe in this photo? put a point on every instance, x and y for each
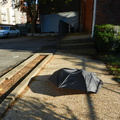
(94, 17)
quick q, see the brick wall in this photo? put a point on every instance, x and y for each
(108, 12)
(88, 15)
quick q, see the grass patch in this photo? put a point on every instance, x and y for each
(117, 79)
(113, 64)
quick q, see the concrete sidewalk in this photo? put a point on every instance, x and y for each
(43, 101)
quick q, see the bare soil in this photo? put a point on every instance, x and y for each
(9, 84)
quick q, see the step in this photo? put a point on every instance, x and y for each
(76, 41)
(78, 45)
(71, 37)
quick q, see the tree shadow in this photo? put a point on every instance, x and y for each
(41, 85)
(14, 51)
(84, 62)
(35, 109)
(33, 44)
(92, 112)
(115, 88)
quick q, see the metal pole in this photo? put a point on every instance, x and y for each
(94, 17)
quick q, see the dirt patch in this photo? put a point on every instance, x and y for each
(9, 84)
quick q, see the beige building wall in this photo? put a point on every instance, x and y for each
(7, 4)
(10, 15)
(3, 15)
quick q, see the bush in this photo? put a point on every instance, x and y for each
(117, 37)
(107, 38)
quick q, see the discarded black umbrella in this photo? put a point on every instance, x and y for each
(77, 79)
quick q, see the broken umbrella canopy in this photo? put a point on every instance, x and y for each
(77, 79)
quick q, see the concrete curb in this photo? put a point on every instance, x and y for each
(14, 94)
(18, 68)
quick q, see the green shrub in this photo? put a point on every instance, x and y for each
(107, 38)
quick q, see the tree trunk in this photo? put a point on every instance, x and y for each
(33, 26)
(34, 19)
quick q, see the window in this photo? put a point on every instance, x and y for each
(4, 28)
(12, 28)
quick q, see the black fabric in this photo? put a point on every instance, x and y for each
(78, 79)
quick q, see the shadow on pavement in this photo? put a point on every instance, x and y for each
(42, 111)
